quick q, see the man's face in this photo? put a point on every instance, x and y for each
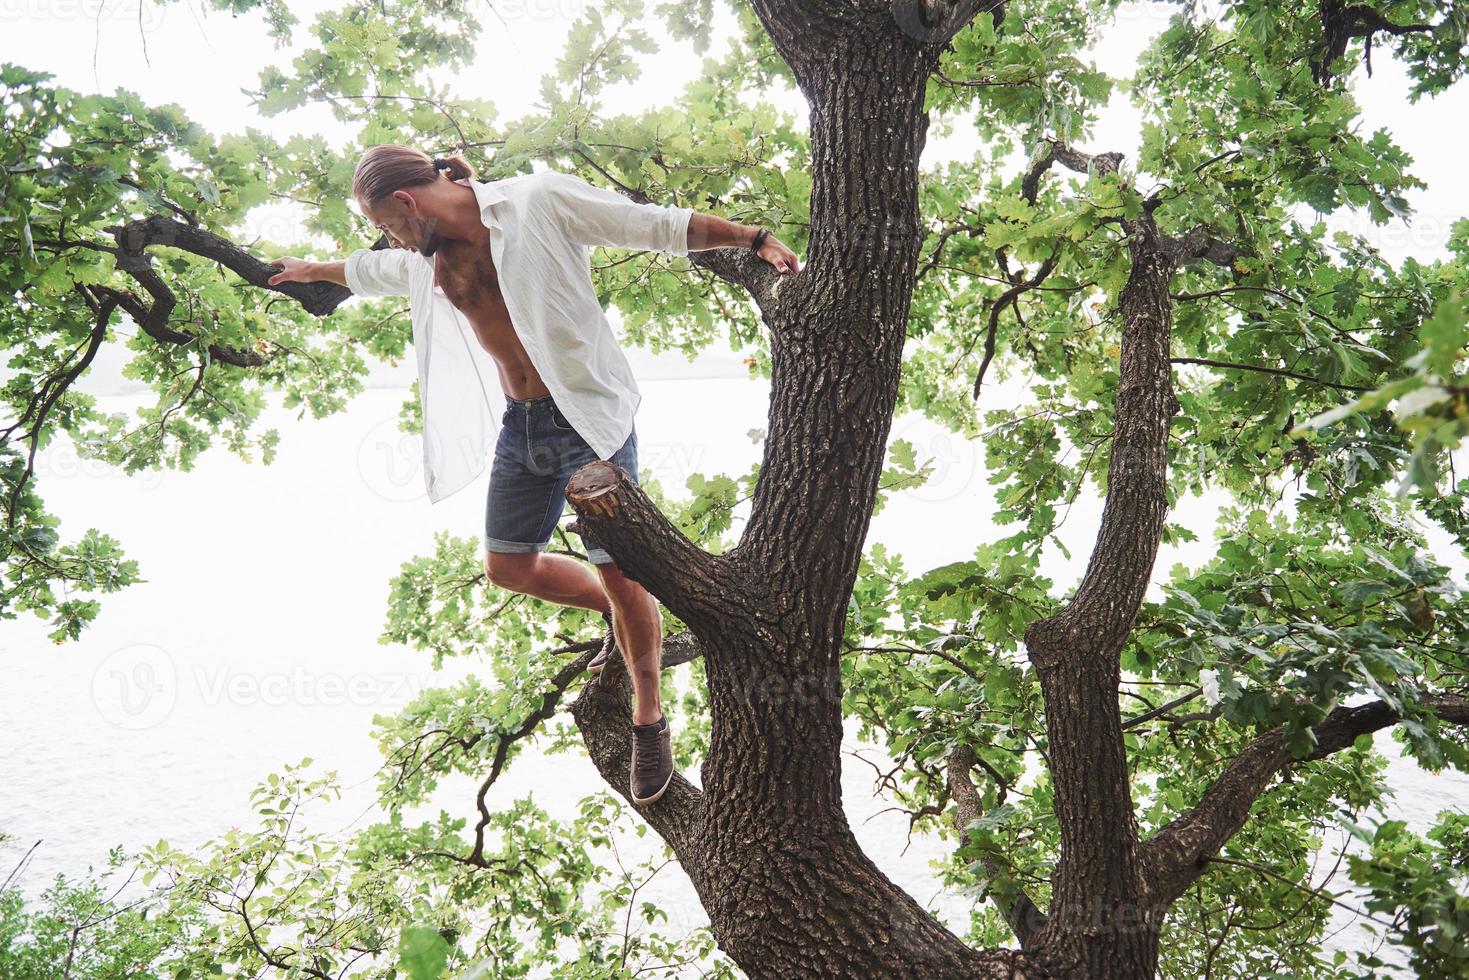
(400, 216)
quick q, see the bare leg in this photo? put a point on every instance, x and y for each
(555, 578)
(638, 623)
(636, 618)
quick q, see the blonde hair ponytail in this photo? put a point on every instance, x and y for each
(390, 167)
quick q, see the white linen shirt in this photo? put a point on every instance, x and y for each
(542, 227)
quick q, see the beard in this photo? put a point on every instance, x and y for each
(429, 243)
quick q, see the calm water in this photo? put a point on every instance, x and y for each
(254, 641)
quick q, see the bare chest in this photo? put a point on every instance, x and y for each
(470, 281)
(467, 275)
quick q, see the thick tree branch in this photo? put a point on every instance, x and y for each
(153, 319)
(317, 298)
(937, 21)
(614, 510)
(603, 715)
(1179, 853)
(736, 266)
(680, 648)
(1099, 616)
(1341, 23)
(1077, 651)
(1199, 245)
(135, 238)
(1071, 159)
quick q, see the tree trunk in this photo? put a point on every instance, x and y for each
(1103, 920)
(766, 843)
(787, 888)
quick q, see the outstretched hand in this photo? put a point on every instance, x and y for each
(774, 251)
(292, 270)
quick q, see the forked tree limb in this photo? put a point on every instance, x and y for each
(1179, 853)
(937, 21)
(1342, 22)
(153, 318)
(132, 256)
(1195, 245)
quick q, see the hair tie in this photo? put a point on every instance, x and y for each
(441, 164)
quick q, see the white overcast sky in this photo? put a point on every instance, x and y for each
(202, 59)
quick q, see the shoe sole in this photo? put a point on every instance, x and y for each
(655, 797)
(597, 668)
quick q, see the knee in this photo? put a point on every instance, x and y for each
(509, 571)
(629, 595)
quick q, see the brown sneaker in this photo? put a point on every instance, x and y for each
(652, 761)
(608, 642)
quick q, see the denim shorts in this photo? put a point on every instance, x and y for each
(536, 455)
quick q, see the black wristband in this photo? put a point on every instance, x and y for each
(760, 237)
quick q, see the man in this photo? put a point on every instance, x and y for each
(511, 257)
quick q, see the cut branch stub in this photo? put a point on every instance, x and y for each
(595, 487)
(614, 511)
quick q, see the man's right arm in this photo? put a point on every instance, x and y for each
(367, 271)
(304, 270)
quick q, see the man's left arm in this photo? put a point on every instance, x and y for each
(595, 216)
(712, 231)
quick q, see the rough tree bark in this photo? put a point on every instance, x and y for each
(1101, 921)
(765, 842)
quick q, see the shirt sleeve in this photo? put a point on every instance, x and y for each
(379, 272)
(596, 216)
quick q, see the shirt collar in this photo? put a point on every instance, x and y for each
(488, 195)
